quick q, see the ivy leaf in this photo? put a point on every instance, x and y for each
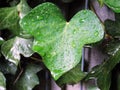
(9, 19)
(28, 79)
(2, 82)
(114, 5)
(7, 67)
(103, 72)
(59, 42)
(113, 27)
(112, 47)
(12, 49)
(71, 77)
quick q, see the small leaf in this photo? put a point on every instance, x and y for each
(59, 42)
(2, 82)
(114, 5)
(28, 79)
(71, 77)
(12, 49)
(103, 72)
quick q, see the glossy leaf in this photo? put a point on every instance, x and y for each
(2, 82)
(113, 4)
(103, 72)
(71, 77)
(12, 49)
(29, 78)
(59, 42)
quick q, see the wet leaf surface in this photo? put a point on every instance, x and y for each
(12, 49)
(59, 42)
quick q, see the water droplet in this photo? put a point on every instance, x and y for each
(53, 53)
(75, 31)
(96, 33)
(37, 17)
(81, 20)
(73, 45)
(24, 23)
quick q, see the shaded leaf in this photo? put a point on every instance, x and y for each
(113, 4)
(12, 49)
(7, 67)
(112, 47)
(71, 77)
(28, 79)
(103, 72)
(2, 82)
(59, 42)
(113, 27)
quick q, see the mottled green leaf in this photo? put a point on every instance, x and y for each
(29, 78)
(2, 82)
(12, 49)
(113, 4)
(71, 77)
(59, 42)
(113, 27)
(9, 19)
(103, 72)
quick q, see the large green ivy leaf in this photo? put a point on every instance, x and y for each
(113, 4)
(2, 82)
(12, 49)
(71, 77)
(28, 79)
(103, 72)
(59, 42)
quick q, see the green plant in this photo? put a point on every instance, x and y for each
(45, 31)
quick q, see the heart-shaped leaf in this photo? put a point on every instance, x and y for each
(2, 82)
(59, 42)
(12, 49)
(113, 4)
